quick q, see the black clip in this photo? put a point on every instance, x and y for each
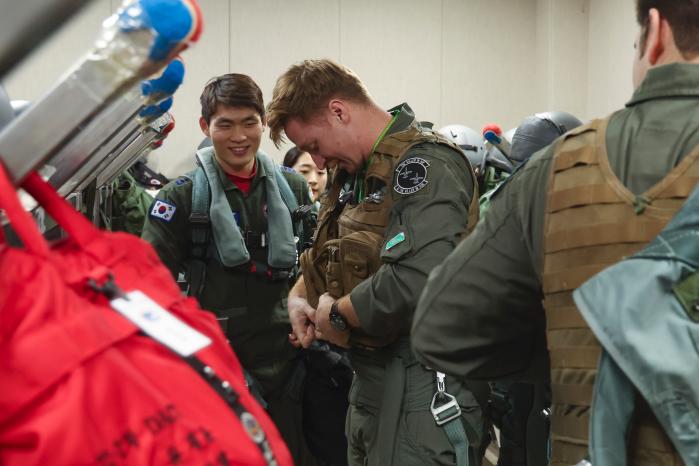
(301, 212)
(109, 289)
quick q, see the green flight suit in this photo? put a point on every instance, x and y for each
(389, 420)
(130, 205)
(481, 314)
(254, 307)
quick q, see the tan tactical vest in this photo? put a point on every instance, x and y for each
(347, 243)
(593, 221)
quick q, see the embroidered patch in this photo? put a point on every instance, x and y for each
(162, 210)
(236, 216)
(411, 175)
(287, 169)
(181, 180)
(399, 238)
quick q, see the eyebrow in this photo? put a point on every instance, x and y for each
(244, 119)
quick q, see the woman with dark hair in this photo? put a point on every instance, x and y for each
(303, 163)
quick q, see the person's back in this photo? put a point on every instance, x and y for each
(601, 193)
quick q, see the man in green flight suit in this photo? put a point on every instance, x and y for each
(598, 194)
(228, 226)
(401, 199)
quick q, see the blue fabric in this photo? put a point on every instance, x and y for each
(166, 84)
(643, 326)
(171, 20)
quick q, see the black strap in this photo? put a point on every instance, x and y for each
(225, 390)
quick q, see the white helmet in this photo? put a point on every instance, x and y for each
(468, 140)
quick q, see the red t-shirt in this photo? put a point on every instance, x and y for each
(243, 182)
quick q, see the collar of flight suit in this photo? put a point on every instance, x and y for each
(673, 80)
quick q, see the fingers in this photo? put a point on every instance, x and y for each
(309, 336)
(294, 341)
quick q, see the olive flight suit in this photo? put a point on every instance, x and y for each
(481, 313)
(251, 305)
(379, 235)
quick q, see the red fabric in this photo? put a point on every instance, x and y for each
(79, 384)
(243, 182)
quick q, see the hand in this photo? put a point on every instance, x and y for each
(326, 331)
(302, 317)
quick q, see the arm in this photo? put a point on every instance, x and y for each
(301, 316)
(169, 238)
(480, 315)
(424, 227)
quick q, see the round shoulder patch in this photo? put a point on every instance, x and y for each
(411, 175)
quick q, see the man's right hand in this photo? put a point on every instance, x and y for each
(302, 318)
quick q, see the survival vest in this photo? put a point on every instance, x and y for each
(592, 221)
(349, 237)
(200, 222)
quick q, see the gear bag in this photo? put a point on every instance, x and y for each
(92, 374)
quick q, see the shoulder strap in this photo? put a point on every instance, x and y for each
(285, 190)
(200, 228)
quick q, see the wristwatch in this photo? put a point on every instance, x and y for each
(337, 320)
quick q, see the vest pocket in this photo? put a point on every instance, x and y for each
(359, 256)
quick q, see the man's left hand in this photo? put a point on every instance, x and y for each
(324, 330)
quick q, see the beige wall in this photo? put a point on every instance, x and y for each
(455, 61)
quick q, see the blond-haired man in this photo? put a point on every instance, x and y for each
(400, 200)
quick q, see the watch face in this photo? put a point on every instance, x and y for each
(337, 321)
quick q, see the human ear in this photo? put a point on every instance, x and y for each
(204, 127)
(655, 40)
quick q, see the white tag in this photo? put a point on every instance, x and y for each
(160, 324)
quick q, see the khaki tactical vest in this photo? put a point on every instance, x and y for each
(349, 238)
(592, 221)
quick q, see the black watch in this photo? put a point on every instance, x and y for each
(337, 320)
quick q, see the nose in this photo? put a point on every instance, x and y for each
(312, 178)
(237, 134)
(319, 160)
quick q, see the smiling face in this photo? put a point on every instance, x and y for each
(236, 133)
(329, 141)
(317, 178)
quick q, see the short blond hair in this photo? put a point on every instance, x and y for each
(304, 90)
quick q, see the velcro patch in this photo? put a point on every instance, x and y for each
(163, 210)
(411, 175)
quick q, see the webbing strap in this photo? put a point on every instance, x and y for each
(570, 427)
(572, 394)
(200, 228)
(581, 195)
(600, 234)
(564, 317)
(569, 159)
(457, 437)
(585, 357)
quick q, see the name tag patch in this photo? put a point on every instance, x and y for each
(411, 175)
(163, 210)
(399, 238)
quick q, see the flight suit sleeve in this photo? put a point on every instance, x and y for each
(169, 234)
(426, 222)
(480, 314)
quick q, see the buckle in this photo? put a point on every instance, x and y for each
(254, 240)
(199, 218)
(446, 412)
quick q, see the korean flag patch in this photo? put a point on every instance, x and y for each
(411, 175)
(163, 210)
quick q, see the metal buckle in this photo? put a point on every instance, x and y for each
(446, 412)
